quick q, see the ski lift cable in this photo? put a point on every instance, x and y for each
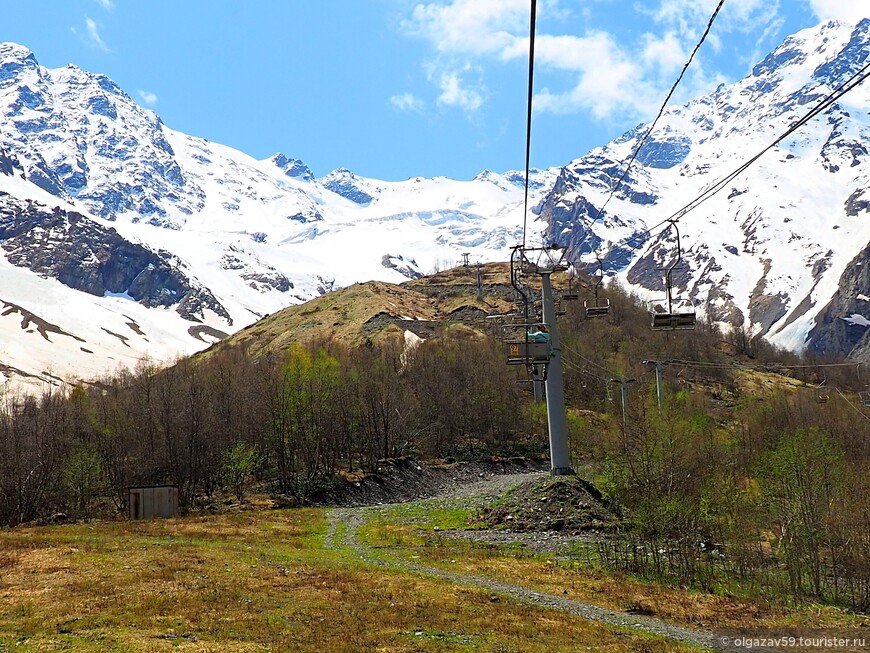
(661, 112)
(854, 407)
(758, 366)
(574, 352)
(829, 100)
(589, 361)
(854, 81)
(584, 372)
(534, 12)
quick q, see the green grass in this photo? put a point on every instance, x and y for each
(576, 573)
(255, 582)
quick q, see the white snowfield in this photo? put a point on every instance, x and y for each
(236, 225)
(780, 232)
(262, 235)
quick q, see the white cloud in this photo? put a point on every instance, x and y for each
(454, 94)
(847, 11)
(666, 53)
(613, 81)
(462, 31)
(108, 5)
(407, 102)
(608, 78)
(92, 36)
(148, 97)
(690, 17)
(469, 26)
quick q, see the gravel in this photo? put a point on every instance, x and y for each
(487, 487)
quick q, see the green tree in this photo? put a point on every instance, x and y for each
(801, 480)
(84, 478)
(240, 463)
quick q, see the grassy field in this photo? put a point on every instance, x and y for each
(416, 532)
(258, 581)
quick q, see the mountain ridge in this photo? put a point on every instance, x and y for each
(248, 237)
(251, 235)
(761, 262)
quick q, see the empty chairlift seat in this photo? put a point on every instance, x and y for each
(597, 308)
(680, 316)
(670, 314)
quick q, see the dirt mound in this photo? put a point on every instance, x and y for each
(398, 480)
(563, 503)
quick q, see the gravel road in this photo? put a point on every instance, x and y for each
(479, 492)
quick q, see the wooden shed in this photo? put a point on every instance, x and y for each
(151, 501)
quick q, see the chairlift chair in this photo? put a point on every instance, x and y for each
(598, 307)
(528, 349)
(670, 314)
(526, 352)
(571, 295)
(679, 315)
(523, 349)
(865, 397)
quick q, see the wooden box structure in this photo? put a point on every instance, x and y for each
(147, 502)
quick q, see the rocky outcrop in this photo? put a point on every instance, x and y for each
(86, 256)
(407, 267)
(843, 326)
(292, 167)
(343, 182)
(9, 164)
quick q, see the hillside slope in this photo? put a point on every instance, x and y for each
(372, 311)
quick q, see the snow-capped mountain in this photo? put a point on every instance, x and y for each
(121, 238)
(782, 252)
(134, 239)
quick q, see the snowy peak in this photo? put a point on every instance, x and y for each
(292, 167)
(16, 62)
(79, 136)
(770, 252)
(345, 183)
(851, 57)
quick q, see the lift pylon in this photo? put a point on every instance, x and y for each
(544, 262)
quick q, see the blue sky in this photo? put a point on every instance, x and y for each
(394, 89)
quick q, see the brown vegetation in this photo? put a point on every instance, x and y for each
(744, 478)
(254, 582)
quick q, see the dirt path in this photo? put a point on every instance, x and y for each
(344, 523)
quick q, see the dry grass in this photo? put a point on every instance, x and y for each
(344, 315)
(587, 583)
(253, 582)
